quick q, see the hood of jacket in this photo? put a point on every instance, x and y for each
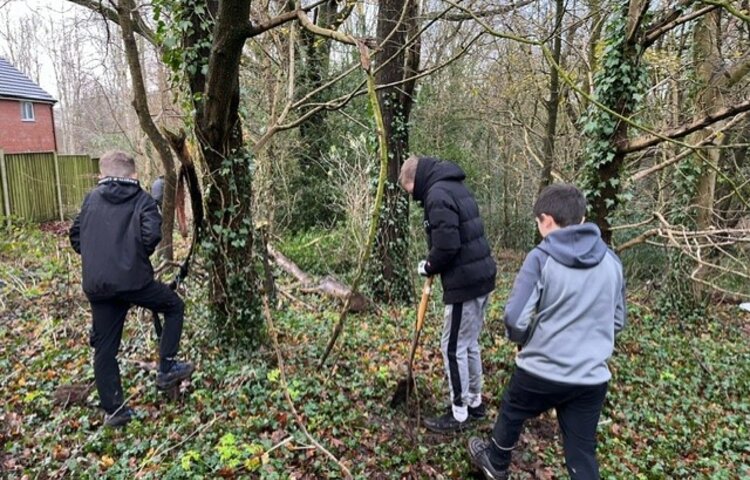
(575, 246)
(431, 171)
(118, 190)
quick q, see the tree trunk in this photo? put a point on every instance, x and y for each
(605, 164)
(229, 233)
(315, 206)
(553, 102)
(388, 271)
(140, 103)
(708, 61)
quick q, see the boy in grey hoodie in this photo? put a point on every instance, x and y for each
(566, 306)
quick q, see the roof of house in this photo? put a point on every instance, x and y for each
(15, 84)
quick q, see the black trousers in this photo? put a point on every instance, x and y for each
(109, 314)
(578, 409)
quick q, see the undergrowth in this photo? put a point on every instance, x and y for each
(677, 408)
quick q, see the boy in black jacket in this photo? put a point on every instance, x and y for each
(460, 254)
(116, 231)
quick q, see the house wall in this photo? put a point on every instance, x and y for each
(17, 136)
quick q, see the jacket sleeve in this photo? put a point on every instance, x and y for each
(621, 310)
(150, 225)
(521, 309)
(74, 234)
(445, 239)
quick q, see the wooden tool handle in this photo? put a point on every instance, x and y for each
(422, 311)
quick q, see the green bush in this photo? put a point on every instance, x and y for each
(321, 252)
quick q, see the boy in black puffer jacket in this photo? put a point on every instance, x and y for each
(116, 231)
(460, 254)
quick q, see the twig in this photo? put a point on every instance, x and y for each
(633, 225)
(709, 139)
(729, 8)
(375, 218)
(259, 456)
(285, 386)
(182, 442)
(637, 240)
(297, 300)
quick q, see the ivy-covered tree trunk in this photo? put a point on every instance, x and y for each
(228, 242)
(619, 87)
(396, 62)
(314, 205)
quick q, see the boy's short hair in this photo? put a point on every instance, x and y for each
(564, 202)
(115, 163)
(408, 170)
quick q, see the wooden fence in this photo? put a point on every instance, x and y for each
(45, 186)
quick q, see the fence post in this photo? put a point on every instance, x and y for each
(58, 187)
(4, 178)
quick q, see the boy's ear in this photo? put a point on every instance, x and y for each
(546, 221)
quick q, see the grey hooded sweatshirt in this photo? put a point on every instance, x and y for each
(566, 306)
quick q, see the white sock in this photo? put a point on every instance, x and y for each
(475, 399)
(460, 413)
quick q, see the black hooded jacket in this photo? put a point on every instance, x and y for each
(118, 228)
(459, 252)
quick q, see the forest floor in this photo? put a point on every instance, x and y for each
(678, 405)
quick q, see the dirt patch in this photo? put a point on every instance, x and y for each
(56, 228)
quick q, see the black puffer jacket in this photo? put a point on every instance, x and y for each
(116, 231)
(459, 252)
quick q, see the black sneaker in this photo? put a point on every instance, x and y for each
(121, 417)
(478, 413)
(479, 451)
(445, 423)
(178, 372)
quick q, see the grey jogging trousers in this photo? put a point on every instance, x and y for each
(461, 353)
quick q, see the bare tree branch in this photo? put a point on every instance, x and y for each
(343, 14)
(342, 101)
(640, 143)
(636, 15)
(324, 32)
(737, 72)
(252, 30)
(729, 8)
(672, 21)
(139, 26)
(125, 11)
(637, 240)
(655, 168)
(460, 17)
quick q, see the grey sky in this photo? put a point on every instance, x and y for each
(49, 11)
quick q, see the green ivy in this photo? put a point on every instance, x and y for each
(174, 26)
(228, 246)
(620, 86)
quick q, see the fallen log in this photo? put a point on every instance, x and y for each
(326, 286)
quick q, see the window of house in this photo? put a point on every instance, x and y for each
(27, 111)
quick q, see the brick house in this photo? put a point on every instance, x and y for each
(27, 123)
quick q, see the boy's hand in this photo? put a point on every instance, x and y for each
(422, 268)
